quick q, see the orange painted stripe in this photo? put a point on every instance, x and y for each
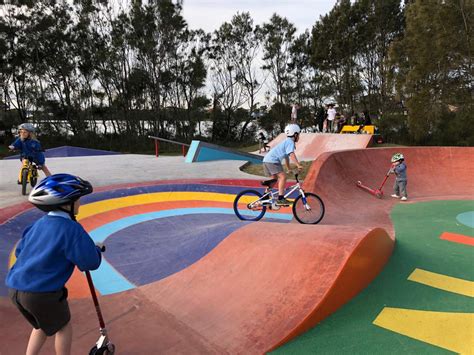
(77, 285)
(457, 238)
(95, 221)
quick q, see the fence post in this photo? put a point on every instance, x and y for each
(157, 148)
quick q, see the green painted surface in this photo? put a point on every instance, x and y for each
(418, 227)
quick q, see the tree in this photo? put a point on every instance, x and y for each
(435, 76)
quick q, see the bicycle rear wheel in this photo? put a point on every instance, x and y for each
(246, 206)
(24, 180)
(310, 211)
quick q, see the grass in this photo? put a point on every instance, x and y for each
(257, 169)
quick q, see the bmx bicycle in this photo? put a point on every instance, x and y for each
(251, 205)
(28, 174)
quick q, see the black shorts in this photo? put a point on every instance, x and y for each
(48, 311)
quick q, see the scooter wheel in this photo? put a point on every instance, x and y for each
(101, 351)
(359, 182)
(378, 194)
(110, 349)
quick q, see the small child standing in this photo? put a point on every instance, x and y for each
(399, 168)
(46, 256)
(29, 147)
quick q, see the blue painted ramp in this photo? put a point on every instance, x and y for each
(69, 151)
(202, 151)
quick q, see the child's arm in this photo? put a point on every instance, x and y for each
(83, 252)
(15, 145)
(295, 161)
(287, 162)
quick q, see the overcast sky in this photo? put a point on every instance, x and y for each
(210, 14)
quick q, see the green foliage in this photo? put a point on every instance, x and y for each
(83, 69)
(436, 74)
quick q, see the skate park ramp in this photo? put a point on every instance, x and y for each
(202, 151)
(264, 282)
(311, 145)
(69, 151)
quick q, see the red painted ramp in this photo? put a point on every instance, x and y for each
(263, 285)
(311, 145)
(267, 283)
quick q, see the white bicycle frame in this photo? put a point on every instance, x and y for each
(271, 201)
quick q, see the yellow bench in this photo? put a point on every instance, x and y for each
(369, 129)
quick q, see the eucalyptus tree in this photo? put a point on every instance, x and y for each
(434, 74)
(379, 23)
(334, 50)
(225, 78)
(247, 50)
(278, 35)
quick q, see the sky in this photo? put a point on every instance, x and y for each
(210, 14)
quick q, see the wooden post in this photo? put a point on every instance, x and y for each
(157, 148)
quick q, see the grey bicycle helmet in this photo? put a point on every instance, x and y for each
(27, 127)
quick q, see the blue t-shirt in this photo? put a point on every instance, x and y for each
(30, 149)
(48, 252)
(281, 151)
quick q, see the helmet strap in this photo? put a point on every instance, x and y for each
(69, 211)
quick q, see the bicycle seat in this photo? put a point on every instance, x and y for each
(269, 183)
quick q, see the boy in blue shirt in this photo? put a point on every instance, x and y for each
(29, 147)
(46, 256)
(284, 150)
(399, 168)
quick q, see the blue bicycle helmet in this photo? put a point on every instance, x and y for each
(57, 190)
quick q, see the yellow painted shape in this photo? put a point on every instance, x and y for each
(12, 258)
(121, 202)
(451, 331)
(443, 282)
(370, 129)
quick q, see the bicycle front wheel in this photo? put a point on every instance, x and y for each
(248, 207)
(310, 211)
(34, 177)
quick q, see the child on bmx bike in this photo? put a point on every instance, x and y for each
(29, 147)
(272, 166)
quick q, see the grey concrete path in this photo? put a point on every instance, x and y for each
(120, 169)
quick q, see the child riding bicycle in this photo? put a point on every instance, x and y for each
(272, 165)
(29, 147)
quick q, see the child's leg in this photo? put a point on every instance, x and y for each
(46, 170)
(281, 183)
(396, 189)
(63, 340)
(37, 339)
(403, 188)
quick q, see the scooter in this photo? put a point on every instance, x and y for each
(376, 192)
(103, 346)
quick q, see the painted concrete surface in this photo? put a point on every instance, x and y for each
(264, 283)
(119, 169)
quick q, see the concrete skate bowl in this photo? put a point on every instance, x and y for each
(311, 145)
(434, 173)
(261, 283)
(205, 282)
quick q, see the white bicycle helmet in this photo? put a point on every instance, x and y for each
(57, 190)
(292, 129)
(27, 127)
(397, 157)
